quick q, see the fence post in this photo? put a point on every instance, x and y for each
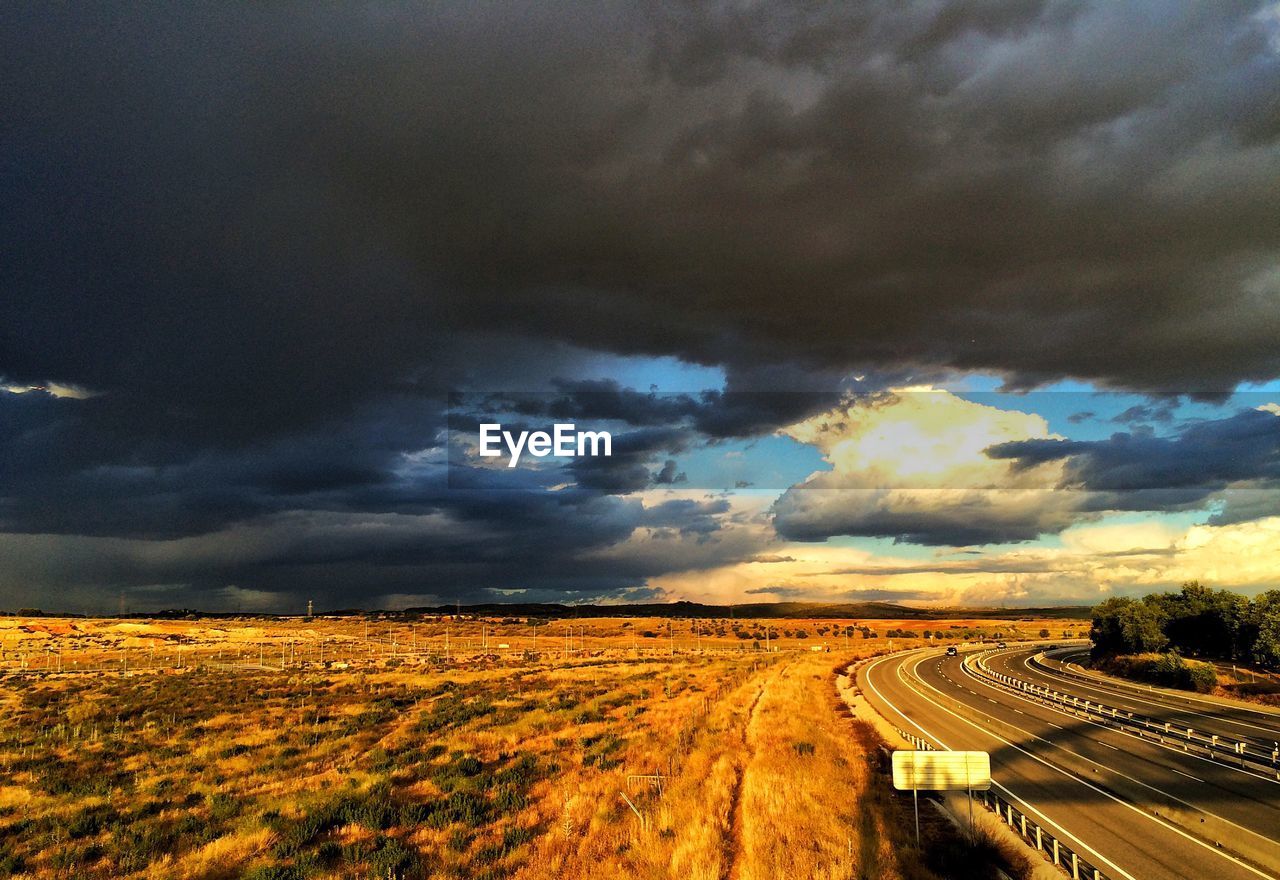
(1056, 860)
(1075, 867)
(1039, 835)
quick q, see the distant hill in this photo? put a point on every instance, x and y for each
(781, 610)
(801, 610)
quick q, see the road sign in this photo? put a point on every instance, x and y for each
(941, 771)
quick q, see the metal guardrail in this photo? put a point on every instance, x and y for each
(1246, 751)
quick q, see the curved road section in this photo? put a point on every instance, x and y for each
(1137, 802)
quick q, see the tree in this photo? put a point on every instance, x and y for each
(1203, 621)
(1044, 633)
(1264, 628)
(1123, 626)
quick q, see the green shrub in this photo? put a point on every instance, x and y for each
(393, 859)
(274, 872)
(514, 838)
(87, 823)
(1168, 670)
(464, 807)
(588, 716)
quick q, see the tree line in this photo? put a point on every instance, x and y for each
(1197, 621)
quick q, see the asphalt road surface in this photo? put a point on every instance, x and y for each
(1078, 778)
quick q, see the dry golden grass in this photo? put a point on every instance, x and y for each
(72, 645)
(581, 750)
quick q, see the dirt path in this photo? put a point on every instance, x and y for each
(732, 865)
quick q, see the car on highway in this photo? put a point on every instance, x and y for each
(951, 651)
(1000, 645)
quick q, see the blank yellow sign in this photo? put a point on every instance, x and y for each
(941, 771)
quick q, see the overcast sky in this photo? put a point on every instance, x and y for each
(805, 261)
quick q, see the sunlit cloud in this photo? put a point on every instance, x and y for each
(914, 465)
(55, 389)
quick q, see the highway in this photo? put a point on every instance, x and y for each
(1095, 787)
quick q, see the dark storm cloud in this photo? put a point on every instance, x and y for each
(977, 517)
(112, 466)
(485, 530)
(273, 237)
(1202, 458)
(338, 515)
(209, 198)
(627, 469)
(670, 474)
(1161, 411)
(687, 516)
(717, 414)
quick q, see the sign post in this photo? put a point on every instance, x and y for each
(941, 771)
(915, 797)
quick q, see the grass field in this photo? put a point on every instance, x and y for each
(389, 748)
